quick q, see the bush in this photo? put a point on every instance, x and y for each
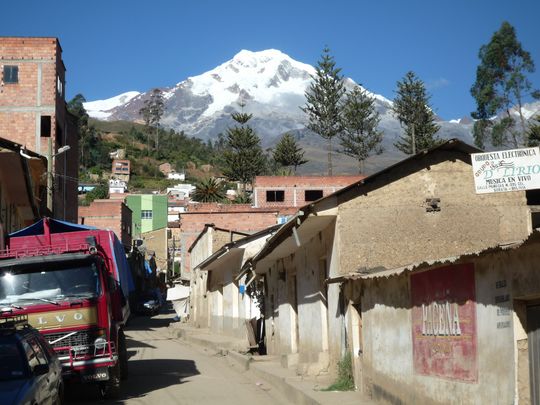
(345, 380)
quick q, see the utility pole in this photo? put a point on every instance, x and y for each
(50, 176)
(50, 173)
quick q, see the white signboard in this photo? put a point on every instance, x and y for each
(506, 170)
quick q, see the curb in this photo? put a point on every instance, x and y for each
(294, 388)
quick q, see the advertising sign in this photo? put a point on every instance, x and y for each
(444, 323)
(506, 170)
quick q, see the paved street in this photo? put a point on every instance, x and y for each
(167, 371)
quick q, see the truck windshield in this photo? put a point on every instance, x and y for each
(34, 285)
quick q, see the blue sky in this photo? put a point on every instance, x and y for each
(115, 46)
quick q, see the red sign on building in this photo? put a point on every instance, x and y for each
(444, 322)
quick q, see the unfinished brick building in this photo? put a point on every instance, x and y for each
(236, 217)
(33, 113)
(296, 191)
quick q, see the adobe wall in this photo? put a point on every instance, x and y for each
(312, 331)
(389, 225)
(503, 281)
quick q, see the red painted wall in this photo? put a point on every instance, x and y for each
(444, 322)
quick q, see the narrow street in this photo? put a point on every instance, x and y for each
(168, 371)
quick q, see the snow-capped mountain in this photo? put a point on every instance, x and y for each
(102, 109)
(270, 85)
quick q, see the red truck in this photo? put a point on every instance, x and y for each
(73, 283)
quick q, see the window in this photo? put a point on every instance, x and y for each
(59, 86)
(146, 214)
(46, 126)
(312, 195)
(11, 74)
(275, 195)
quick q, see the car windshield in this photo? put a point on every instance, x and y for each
(12, 361)
(23, 286)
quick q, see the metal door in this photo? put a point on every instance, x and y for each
(533, 326)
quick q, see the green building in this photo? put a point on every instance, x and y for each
(149, 212)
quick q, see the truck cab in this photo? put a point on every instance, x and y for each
(68, 289)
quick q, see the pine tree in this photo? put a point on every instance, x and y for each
(153, 110)
(323, 101)
(501, 83)
(360, 137)
(244, 158)
(288, 153)
(411, 108)
(533, 134)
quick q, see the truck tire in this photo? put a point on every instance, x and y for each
(111, 389)
(122, 355)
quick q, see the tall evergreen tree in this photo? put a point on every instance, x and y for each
(153, 110)
(323, 101)
(244, 158)
(533, 134)
(411, 107)
(360, 137)
(501, 83)
(288, 153)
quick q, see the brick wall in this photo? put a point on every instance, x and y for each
(235, 217)
(36, 94)
(109, 214)
(295, 187)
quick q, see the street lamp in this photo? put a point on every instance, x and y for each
(50, 174)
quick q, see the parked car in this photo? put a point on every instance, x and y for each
(30, 372)
(149, 303)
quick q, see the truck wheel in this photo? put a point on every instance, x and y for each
(111, 389)
(122, 355)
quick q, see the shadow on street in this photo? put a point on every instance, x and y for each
(145, 375)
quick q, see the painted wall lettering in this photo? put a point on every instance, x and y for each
(444, 322)
(440, 318)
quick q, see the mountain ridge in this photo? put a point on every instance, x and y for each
(270, 85)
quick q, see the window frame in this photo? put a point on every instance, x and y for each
(9, 79)
(311, 198)
(276, 195)
(143, 216)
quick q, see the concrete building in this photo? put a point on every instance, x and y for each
(121, 169)
(117, 186)
(236, 217)
(149, 212)
(109, 214)
(33, 113)
(421, 209)
(22, 188)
